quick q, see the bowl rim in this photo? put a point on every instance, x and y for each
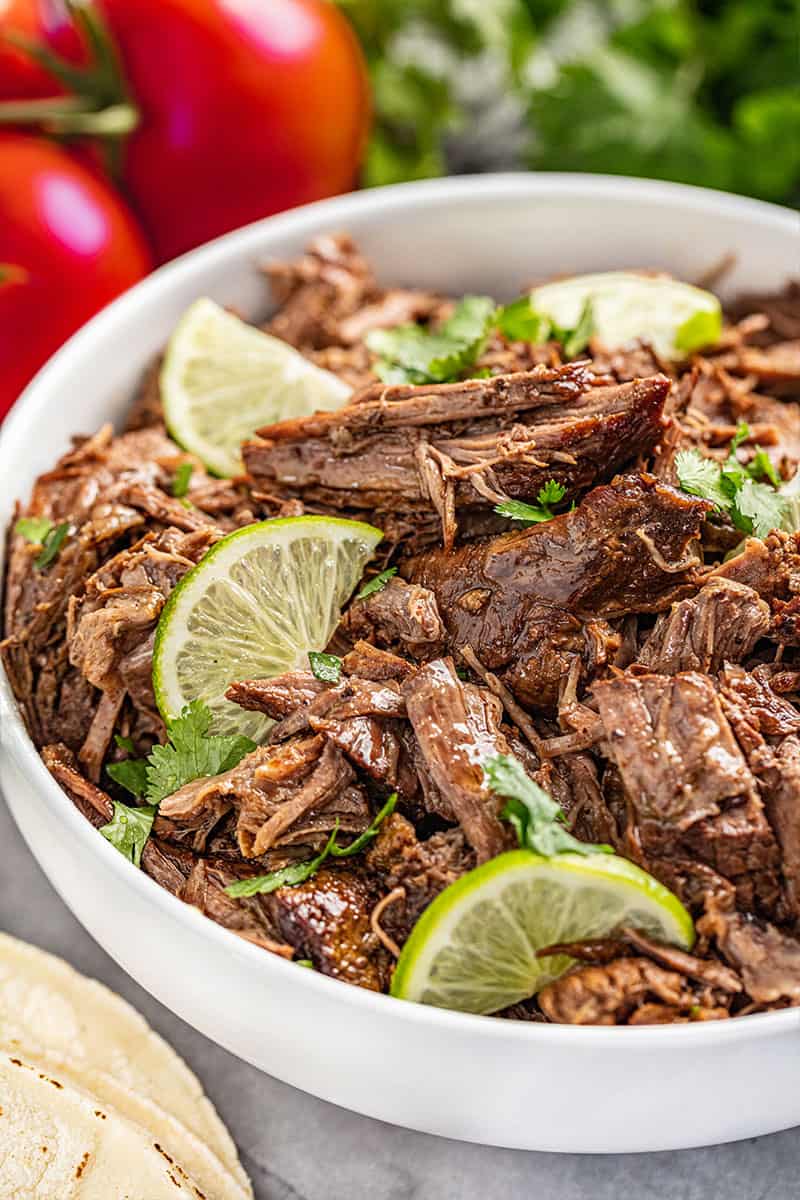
(16, 743)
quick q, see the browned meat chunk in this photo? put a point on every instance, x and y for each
(422, 869)
(401, 615)
(440, 705)
(722, 623)
(610, 994)
(767, 959)
(434, 451)
(327, 919)
(687, 783)
(772, 568)
(520, 599)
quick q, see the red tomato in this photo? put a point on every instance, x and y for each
(247, 107)
(45, 22)
(68, 245)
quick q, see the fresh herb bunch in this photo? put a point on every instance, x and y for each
(746, 493)
(700, 91)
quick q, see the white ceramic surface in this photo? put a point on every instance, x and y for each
(506, 1083)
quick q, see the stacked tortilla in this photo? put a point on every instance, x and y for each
(93, 1103)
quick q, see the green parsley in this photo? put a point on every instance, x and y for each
(130, 774)
(51, 546)
(532, 514)
(290, 876)
(519, 322)
(754, 507)
(376, 584)
(192, 752)
(180, 484)
(534, 815)
(40, 531)
(325, 667)
(129, 829)
(574, 341)
(413, 354)
(33, 529)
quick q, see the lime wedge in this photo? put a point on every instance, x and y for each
(222, 379)
(252, 608)
(474, 948)
(674, 317)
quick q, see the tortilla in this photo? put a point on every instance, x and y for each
(57, 1143)
(45, 1003)
(213, 1179)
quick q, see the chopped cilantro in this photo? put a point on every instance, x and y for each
(412, 354)
(576, 340)
(305, 962)
(124, 743)
(33, 529)
(326, 667)
(51, 545)
(753, 507)
(192, 752)
(180, 484)
(296, 873)
(519, 322)
(130, 774)
(377, 583)
(532, 514)
(534, 815)
(129, 829)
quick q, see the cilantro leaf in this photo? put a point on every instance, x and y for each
(33, 529)
(536, 818)
(295, 873)
(759, 508)
(129, 829)
(701, 476)
(192, 752)
(577, 339)
(41, 531)
(326, 667)
(130, 774)
(377, 583)
(762, 467)
(124, 743)
(412, 354)
(180, 484)
(532, 514)
(520, 322)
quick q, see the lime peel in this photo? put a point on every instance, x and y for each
(222, 379)
(255, 604)
(474, 948)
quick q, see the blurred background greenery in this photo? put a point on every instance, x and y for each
(702, 92)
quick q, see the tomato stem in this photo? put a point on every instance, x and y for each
(100, 104)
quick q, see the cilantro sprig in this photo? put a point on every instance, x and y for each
(190, 753)
(536, 818)
(290, 876)
(413, 354)
(129, 829)
(532, 514)
(754, 507)
(41, 531)
(376, 584)
(325, 667)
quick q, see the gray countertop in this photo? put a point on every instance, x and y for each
(299, 1148)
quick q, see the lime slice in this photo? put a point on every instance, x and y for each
(474, 948)
(222, 379)
(252, 608)
(674, 317)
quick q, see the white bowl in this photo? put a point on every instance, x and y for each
(507, 1083)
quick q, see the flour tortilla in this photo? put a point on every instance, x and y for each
(213, 1179)
(45, 1003)
(57, 1143)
